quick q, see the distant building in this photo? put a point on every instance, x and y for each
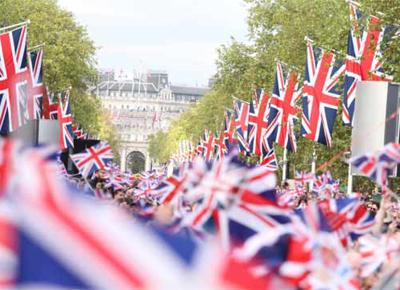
(141, 107)
(158, 78)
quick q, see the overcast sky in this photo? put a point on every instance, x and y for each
(179, 36)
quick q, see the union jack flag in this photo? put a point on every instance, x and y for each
(229, 128)
(36, 88)
(78, 133)
(208, 145)
(269, 160)
(378, 165)
(301, 178)
(363, 61)
(14, 77)
(93, 158)
(348, 218)
(325, 186)
(242, 110)
(320, 95)
(258, 116)
(170, 189)
(65, 122)
(220, 147)
(50, 109)
(283, 111)
(376, 251)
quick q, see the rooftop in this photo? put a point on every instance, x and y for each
(126, 86)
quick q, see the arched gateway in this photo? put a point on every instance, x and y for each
(136, 162)
(134, 157)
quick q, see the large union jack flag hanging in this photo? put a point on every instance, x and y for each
(13, 79)
(363, 60)
(242, 123)
(36, 88)
(283, 111)
(93, 158)
(258, 116)
(65, 122)
(320, 95)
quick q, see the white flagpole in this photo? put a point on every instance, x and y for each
(284, 166)
(15, 25)
(349, 175)
(350, 182)
(37, 46)
(313, 166)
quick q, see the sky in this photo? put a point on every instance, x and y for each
(177, 36)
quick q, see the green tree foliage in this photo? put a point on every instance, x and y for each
(277, 29)
(69, 57)
(156, 142)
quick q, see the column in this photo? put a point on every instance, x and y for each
(147, 162)
(123, 159)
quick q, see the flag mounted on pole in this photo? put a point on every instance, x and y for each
(242, 110)
(258, 117)
(65, 122)
(320, 95)
(36, 88)
(229, 128)
(14, 77)
(363, 60)
(283, 110)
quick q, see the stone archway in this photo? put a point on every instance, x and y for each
(136, 162)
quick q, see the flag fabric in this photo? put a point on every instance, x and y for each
(36, 88)
(78, 133)
(229, 128)
(14, 77)
(378, 165)
(93, 158)
(283, 111)
(348, 218)
(269, 160)
(325, 187)
(301, 177)
(242, 123)
(208, 145)
(50, 109)
(320, 95)
(220, 146)
(363, 61)
(257, 123)
(65, 124)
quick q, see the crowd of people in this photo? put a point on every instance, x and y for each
(143, 195)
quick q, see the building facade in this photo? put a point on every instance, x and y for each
(141, 107)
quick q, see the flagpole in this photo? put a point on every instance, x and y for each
(37, 46)
(349, 181)
(313, 165)
(284, 166)
(27, 22)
